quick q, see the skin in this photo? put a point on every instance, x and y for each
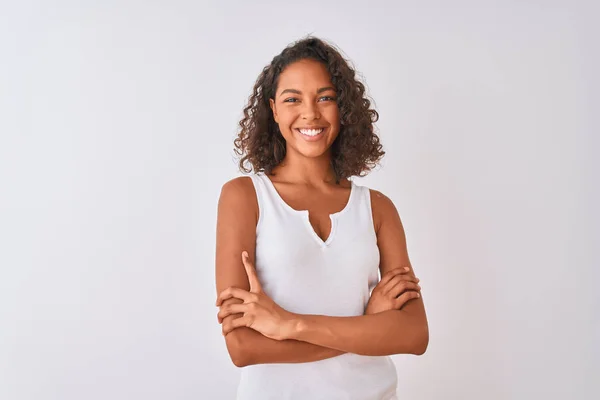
(257, 330)
(306, 98)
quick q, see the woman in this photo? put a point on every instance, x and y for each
(301, 317)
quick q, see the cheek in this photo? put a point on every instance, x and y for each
(332, 114)
(286, 118)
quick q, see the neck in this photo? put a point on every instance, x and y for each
(311, 171)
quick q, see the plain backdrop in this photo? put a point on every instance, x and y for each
(117, 121)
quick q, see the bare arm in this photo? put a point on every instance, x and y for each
(390, 332)
(236, 232)
(386, 333)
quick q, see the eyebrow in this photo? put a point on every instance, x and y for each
(295, 91)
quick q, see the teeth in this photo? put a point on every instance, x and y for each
(310, 132)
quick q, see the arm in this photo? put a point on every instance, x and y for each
(236, 232)
(391, 332)
(386, 333)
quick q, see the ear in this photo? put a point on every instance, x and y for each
(272, 104)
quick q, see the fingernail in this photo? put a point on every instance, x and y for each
(406, 269)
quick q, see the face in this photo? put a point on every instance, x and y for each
(305, 108)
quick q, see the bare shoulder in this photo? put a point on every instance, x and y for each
(236, 187)
(238, 196)
(383, 208)
(380, 200)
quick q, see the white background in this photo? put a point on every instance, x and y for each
(117, 121)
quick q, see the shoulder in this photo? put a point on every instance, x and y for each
(380, 200)
(238, 195)
(242, 185)
(382, 207)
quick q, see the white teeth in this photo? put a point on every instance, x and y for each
(310, 132)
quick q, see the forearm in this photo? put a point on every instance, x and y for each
(385, 333)
(248, 347)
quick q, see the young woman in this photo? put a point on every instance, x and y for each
(300, 247)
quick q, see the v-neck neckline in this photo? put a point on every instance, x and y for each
(306, 213)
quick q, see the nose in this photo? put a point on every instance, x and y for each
(310, 111)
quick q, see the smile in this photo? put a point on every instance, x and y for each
(310, 132)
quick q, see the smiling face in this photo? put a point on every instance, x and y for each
(305, 108)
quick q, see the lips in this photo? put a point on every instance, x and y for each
(310, 131)
(311, 134)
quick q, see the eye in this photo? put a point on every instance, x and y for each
(327, 98)
(290, 100)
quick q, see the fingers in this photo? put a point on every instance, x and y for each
(401, 287)
(233, 292)
(405, 298)
(251, 272)
(231, 309)
(236, 323)
(392, 273)
(397, 279)
(255, 286)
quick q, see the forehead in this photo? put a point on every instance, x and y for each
(304, 75)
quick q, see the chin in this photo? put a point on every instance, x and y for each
(314, 152)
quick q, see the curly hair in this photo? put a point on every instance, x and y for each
(357, 148)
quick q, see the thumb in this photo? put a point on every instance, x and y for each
(251, 272)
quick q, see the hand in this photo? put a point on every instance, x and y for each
(394, 290)
(259, 311)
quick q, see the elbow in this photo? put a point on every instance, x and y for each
(239, 354)
(420, 349)
(421, 342)
(239, 360)
(238, 357)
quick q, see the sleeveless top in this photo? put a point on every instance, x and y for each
(306, 275)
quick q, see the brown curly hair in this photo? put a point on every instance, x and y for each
(355, 151)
